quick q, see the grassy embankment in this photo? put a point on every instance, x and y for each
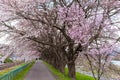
(22, 74)
(60, 76)
(2, 72)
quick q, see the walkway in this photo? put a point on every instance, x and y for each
(39, 72)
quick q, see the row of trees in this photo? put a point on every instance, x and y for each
(60, 30)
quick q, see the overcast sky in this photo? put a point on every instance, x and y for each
(3, 39)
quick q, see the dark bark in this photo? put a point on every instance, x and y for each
(55, 57)
(61, 67)
(71, 70)
(71, 57)
(59, 64)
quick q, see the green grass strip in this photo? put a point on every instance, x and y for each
(60, 76)
(80, 76)
(22, 74)
(5, 71)
(56, 73)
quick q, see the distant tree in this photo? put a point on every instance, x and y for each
(8, 60)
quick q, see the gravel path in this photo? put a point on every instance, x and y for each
(39, 72)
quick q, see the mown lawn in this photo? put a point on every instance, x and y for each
(60, 76)
(22, 74)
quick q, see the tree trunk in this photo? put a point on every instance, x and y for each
(62, 68)
(59, 64)
(71, 70)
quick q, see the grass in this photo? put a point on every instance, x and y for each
(60, 76)
(80, 76)
(2, 72)
(22, 74)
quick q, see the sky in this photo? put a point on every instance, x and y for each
(3, 39)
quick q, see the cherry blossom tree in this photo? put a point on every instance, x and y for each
(87, 28)
(6, 51)
(83, 24)
(99, 57)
